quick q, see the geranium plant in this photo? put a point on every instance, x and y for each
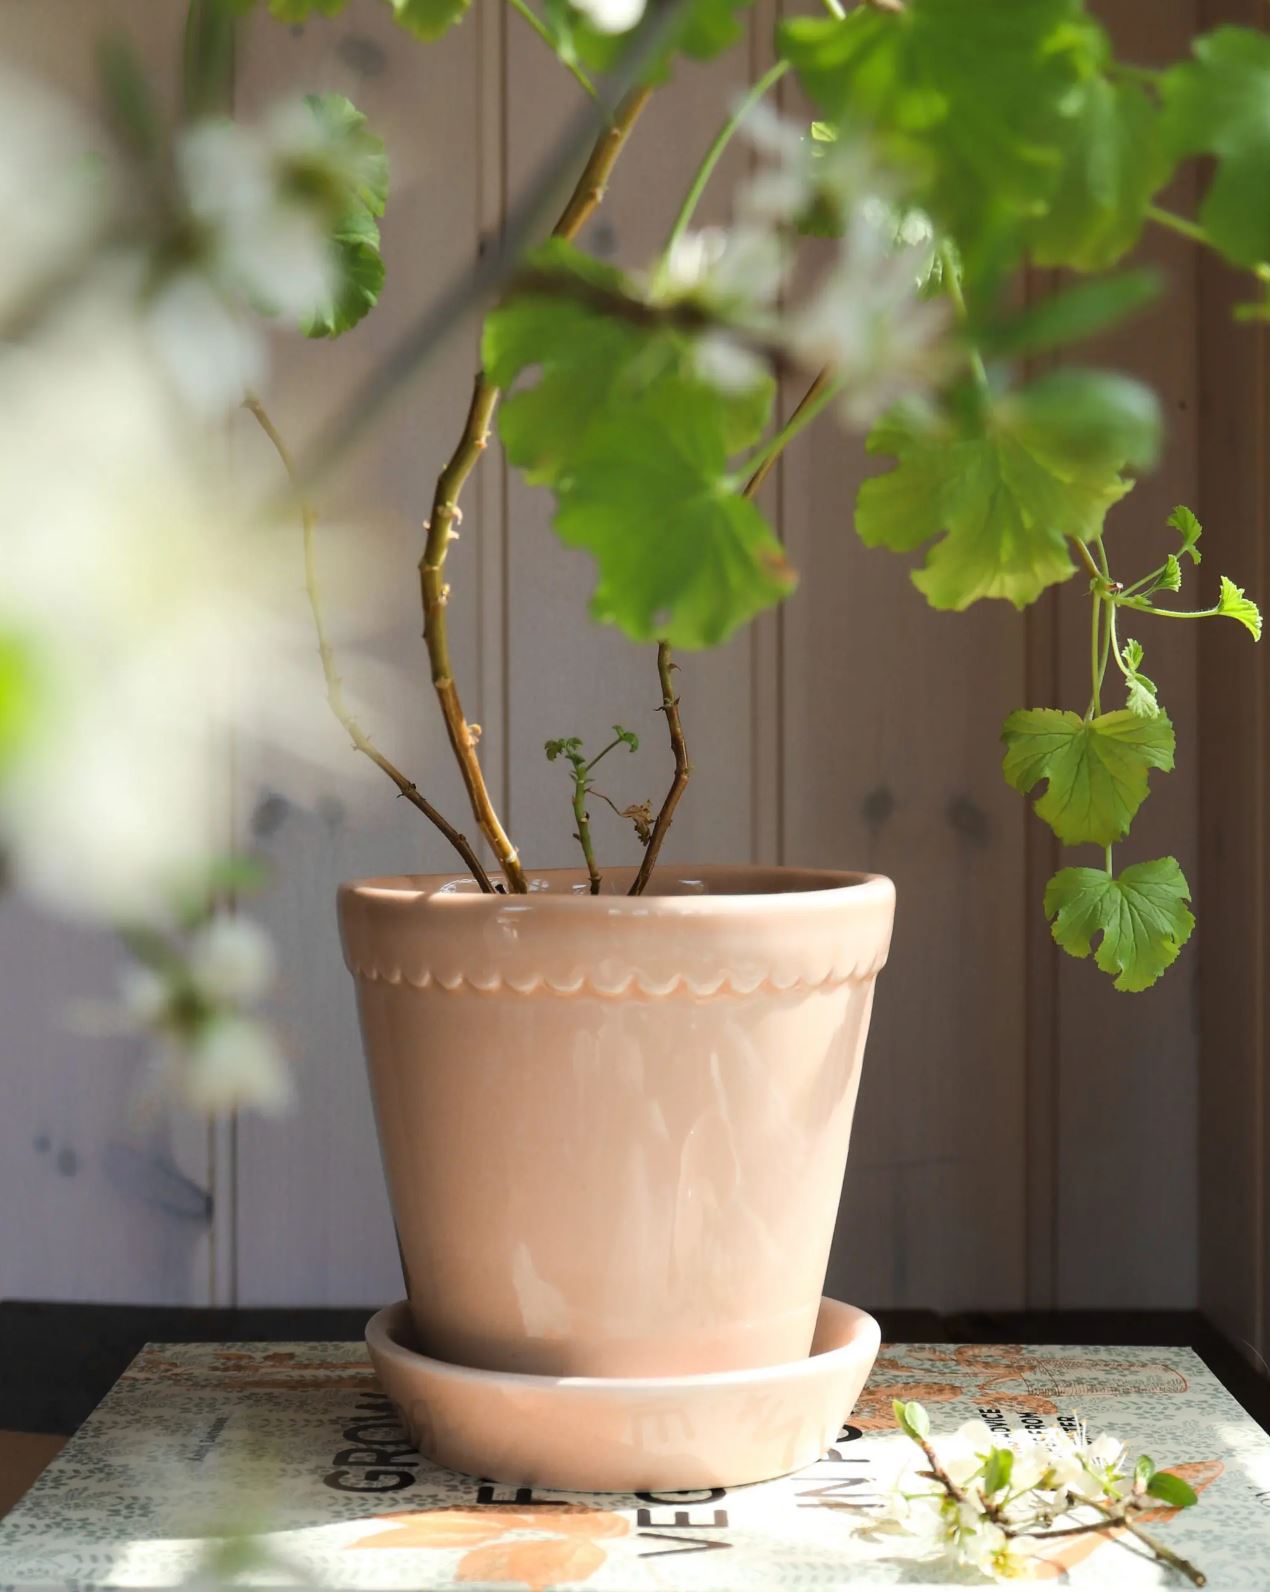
(950, 144)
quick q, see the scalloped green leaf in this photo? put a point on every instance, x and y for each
(1005, 488)
(429, 19)
(352, 175)
(1114, 164)
(1234, 605)
(1140, 920)
(971, 98)
(705, 29)
(1216, 104)
(1096, 770)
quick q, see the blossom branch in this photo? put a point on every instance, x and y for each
(334, 686)
(587, 194)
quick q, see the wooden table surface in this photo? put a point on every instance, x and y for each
(60, 1360)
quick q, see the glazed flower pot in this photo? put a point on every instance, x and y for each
(615, 1128)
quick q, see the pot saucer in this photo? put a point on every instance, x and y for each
(636, 1434)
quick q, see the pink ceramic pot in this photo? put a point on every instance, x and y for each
(614, 1127)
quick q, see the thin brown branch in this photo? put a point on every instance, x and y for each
(683, 769)
(823, 380)
(334, 687)
(1184, 1566)
(446, 515)
(593, 183)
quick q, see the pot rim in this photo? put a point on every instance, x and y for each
(810, 889)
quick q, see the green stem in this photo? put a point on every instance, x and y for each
(1109, 635)
(834, 8)
(1178, 224)
(826, 389)
(1095, 651)
(1107, 860)
(1147, 580)
(544, 33)
(952, 281)
(712, 155)
(616, 741)
(1140, 605)
(1087, 559)
(584, 829)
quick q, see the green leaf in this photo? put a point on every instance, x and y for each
(637, 450)
(1096, 769)
(361, 280)
(1219, 104)
(1170, 578)
(1171, 1490)
(1140, 697)
(911, 1418)
(704, 29)
(1114, 164)
(1190, 530)
(302, 10)
(681, 555)
(588, 362)
(351, 173)
(1142, 693)
(1082, 310)
(1141, 917)
(968, 97)
(19, 698)
(997, 1471)
(1235, 605)
(350, 179)
(429, 19)
(1008, 485)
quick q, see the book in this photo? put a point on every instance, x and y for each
(288, 1461)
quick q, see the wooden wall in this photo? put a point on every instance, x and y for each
(1024, 1136)
(1234, 1093)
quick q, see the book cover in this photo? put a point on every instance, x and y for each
(293, 1453)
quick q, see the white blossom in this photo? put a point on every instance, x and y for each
(232, 1063)
(211, 351)
(231, 959)
(611, 16)
(868, 320)
(1006, 1558)
(727, 364)
(160, 611)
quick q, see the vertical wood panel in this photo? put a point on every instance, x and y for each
(1235, 736)
(1127, 1064)
(98, 1205)
(314, 1224)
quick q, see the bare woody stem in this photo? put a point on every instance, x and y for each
(582, 819)
(334, 688)
(446, 515)
(683, 769)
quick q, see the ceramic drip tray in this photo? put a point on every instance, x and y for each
(638, 1434)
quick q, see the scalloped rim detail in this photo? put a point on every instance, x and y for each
(634, 985)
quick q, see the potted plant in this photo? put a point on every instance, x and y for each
(615, 1101)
